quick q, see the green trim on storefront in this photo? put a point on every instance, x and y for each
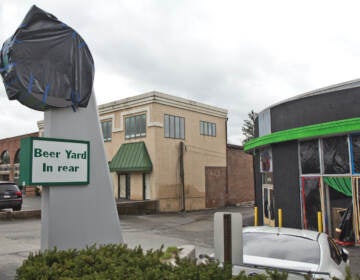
(310, 131)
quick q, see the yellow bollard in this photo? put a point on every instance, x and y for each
(319, 220)
(255, 216)
(280, 217)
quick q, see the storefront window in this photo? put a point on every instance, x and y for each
(310, 191)
(266, 160)
(267, 178)
(338, 200)
(355, 148)
(336, 155)
(309, 157)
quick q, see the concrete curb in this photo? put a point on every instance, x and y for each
(17, 215)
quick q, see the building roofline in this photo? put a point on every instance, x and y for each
(336, 87)
(164, 99)
(20, 136)
(234, 147)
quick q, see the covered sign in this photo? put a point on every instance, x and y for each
(46, 64)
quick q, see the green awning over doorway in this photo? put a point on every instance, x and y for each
(131, 157)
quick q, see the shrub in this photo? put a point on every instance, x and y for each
(120, 262)
(113, 262)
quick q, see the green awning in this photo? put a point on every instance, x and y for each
(131, 157)
(340, 184)
(310, 131)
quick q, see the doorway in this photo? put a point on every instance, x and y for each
(311, 201)
(338, 200)
(268, 204)
(124, 186)
(146, 186)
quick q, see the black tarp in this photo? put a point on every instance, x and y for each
(311, 201)
(309, 157)
(336, 155)
(46, 64)
(355, 142)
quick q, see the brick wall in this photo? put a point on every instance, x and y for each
(12, 145)
(240, 176)
(215, 184)
(231, 186)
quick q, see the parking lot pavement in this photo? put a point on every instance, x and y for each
(20, 237)
(354, 259)
(31, 203)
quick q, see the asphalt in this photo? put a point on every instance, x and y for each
(19, 237)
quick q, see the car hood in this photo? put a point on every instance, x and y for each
(278, 263)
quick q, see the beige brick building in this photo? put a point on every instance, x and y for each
(173, 150)
(159, 145)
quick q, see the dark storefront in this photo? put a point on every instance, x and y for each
(307, 160)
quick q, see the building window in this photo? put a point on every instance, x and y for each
(207, 128)
(174, 127)
(266, 164)
(355, 155)
(124, 186)
(106, 130)
(146, 186)
(5, 158)
(336, 155)
(135, 126)
(309, 157)
(311, 201)
(17, 156)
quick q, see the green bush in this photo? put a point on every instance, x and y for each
(120, 262)
(113, 262)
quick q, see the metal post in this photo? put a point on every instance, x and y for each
(227, 239)
(319, 220)
(256, 219)
(280, 219)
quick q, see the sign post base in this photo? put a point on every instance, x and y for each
(79, 216)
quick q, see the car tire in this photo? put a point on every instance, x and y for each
(17, 208)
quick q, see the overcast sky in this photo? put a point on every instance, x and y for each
(237, 55)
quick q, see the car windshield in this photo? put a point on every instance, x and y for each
(284, 247)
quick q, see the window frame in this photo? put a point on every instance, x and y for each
(324, 170)
(318, 157)
(3, 159)
(174, 127)
(135, 126)
(106, 128)
(207, 128)
(352, 154)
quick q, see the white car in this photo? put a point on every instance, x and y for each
(295, 250)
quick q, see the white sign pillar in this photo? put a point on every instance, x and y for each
(228, 237)
(77, 216)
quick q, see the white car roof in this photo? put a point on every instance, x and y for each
(304, 233)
